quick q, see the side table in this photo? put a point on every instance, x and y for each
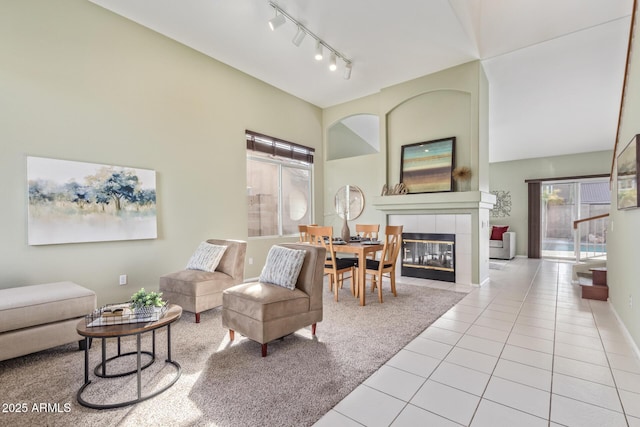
(172, 314)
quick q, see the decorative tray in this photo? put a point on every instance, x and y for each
(121, 313)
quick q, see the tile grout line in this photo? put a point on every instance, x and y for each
(592, 316)
(442, 360)
(606, 355)
(503, 347)
(553, 356)
(408, 402)
(570, 303)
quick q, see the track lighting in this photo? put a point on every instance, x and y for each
(297, 39)
(332, 62)
(276, 21)
(347, 70)
(282, 16)
(318, 51)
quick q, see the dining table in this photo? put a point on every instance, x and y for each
(361, 249)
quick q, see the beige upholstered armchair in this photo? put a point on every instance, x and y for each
(264, 312)
(197, 290)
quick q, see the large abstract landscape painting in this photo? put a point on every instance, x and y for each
(427, 166)
(73, 202)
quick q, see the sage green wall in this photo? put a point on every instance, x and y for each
(346, 143)
(366, 172)
(80, 83)
(623, 250)
(511, 176)
(448, 103)
(426, 117)
(439, 105)
(452, 102)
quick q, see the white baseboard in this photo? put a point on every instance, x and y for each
(625, 331)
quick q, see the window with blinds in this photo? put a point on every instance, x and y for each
(279, 185)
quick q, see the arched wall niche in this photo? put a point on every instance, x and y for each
(429, 116)
(354, 135)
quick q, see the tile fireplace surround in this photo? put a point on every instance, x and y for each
(458, 224)
(465, 214)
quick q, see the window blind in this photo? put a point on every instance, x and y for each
(278, 147)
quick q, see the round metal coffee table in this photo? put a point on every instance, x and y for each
(172, 314)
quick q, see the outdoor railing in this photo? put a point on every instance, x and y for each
(590, 237)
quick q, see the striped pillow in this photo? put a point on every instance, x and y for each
(283, 267)
(206, 257)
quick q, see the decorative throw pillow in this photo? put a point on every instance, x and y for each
(206, 257)
(283, 266)
(497, 231)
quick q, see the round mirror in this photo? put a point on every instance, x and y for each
(349, 202)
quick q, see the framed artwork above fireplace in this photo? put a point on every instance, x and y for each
(426, 167)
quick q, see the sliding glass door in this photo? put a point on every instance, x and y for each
(562, 203)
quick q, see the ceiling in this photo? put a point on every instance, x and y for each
(555, 67)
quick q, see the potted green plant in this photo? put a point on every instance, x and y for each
(144, 303)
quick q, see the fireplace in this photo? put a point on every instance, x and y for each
(462, 213)
(429, 256)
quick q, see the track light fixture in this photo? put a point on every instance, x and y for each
(347, 70)
(282, 16)
(297, 39)
(276, 21)
(332, 62)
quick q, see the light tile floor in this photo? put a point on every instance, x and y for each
(523, 350)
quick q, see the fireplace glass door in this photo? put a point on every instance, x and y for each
(429, 256)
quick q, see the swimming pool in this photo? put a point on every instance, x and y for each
(565, 246)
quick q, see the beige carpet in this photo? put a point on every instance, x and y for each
(222, 384)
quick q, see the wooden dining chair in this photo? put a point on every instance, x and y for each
(304, 234)
(377, 268)
(368, 231)
(335, 267)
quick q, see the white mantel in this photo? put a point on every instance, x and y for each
(405, 203)
(465, 214)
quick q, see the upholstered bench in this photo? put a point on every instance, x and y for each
(37, 317)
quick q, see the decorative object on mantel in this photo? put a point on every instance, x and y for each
(426, 167)
(502, 208)
(349, 204)
(397, 189)
(462, 176)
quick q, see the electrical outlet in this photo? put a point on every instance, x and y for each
(123, 279)
(250, 261)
